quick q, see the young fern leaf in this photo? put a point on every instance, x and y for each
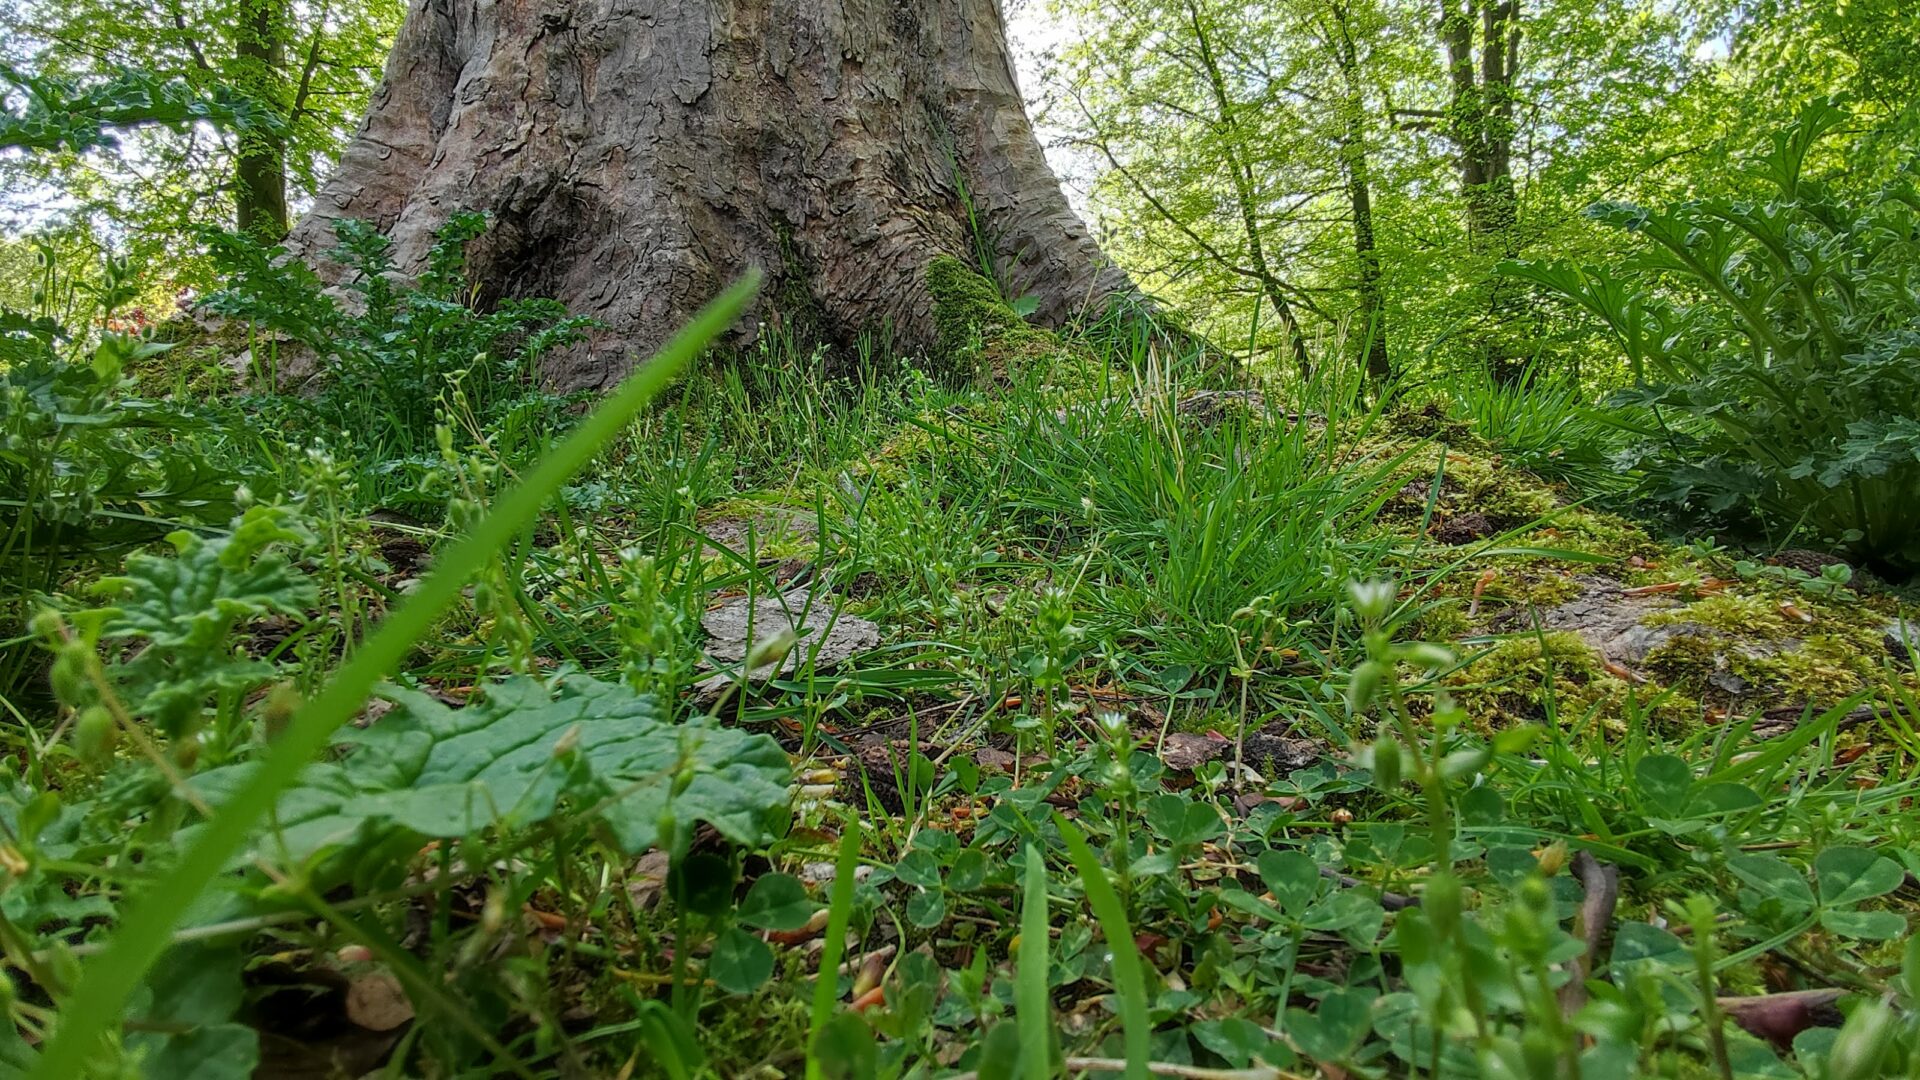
(106, 983)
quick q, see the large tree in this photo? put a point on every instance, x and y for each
(635, 156)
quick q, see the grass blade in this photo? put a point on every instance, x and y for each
(109, 979)
(1129, 980)
(826, 986)
(1032, 1009)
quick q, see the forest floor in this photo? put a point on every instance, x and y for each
(1120, 722)
(1003, 592)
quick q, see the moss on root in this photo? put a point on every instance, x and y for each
(979, 333)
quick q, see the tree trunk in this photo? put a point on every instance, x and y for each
(1242, 175)
(1480, 124)
(1480, 120)
(1375, 358)
(637, 155)
(260, 173)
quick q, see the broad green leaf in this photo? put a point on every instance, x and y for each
(1293, 878)
(1773, 878)
(1664, 781)
(1848, 875)
(151, 916)
(741, 963)
(969, 871)
(1866, 925)
(187, 1024)
(927, 908)
(918, 867)
(510, 759)
(1639, 943)
(1234, 1038)
(777, 902)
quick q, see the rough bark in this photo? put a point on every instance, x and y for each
(637, 155)
(1480, 120)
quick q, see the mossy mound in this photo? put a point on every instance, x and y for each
(1557, 676)
(980, 333)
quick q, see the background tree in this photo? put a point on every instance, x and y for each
(1397, 149)
(310, 63)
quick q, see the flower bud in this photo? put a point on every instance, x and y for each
(1386, 762)
(1365, 685)
(93, 735)
(1442, 901)
(1861, 1047)
(771, 650)
(1553, 858)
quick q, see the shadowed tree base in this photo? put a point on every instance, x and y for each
(636, 156)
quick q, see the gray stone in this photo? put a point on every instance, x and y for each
(828, 636)
(1903, 639)
(766, 528)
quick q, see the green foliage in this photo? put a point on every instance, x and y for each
(88, 469)
(1773, 345)
(400, 360)
(77, 115)
(511, 761)
(289, 81)
(179, 614)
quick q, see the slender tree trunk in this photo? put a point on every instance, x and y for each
(637, 156)
(1480, 124)
(1375, 357)
(1241, 173)
(1480, 120)
(260, 174)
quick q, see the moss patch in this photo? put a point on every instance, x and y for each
(978, 332)
(1509, 684)
(1749, 640)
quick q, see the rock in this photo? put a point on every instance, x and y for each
(1207, 407)
(376, 1001)
(1273, 753)
(997, 760)
(1808, 562)
(1903, 639)
(1608, 621)
(828, 636)
(764, 528)
(1184, 751)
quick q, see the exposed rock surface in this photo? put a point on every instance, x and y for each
(828, 636)
(765, 528)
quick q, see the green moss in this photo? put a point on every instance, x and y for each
(978, 332)
(1782, 659)
(1508, 684)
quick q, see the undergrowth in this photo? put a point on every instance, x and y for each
(1191, 729)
